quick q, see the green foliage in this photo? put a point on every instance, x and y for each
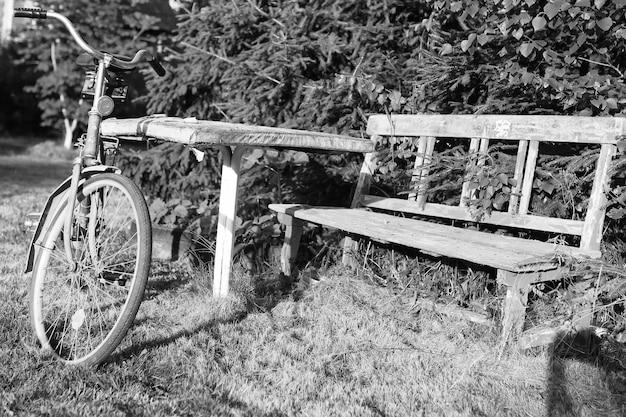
(318, 64)
(490, 188)
(557, 56)
(118, 26)
(327, 64)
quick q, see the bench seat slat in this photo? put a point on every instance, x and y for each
(524, 221)
(498, 251)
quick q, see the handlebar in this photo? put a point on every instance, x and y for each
(141, 56)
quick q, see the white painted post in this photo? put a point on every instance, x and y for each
(225, 239)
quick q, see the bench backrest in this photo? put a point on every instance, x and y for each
(526, 133)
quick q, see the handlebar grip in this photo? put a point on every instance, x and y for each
(156, 66)
(30, 13)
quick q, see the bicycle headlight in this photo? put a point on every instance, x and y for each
(105, 105)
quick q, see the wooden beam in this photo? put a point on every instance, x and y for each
(421, 170)
(498, 251)
(465, 192)
(497, 218)
(569, 129)
(529, 176)
(350, 246)
(206, 132)
(225, 239)
(522, 150)
(594, 219)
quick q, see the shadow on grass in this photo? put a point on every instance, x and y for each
(264, 297)
(208, 326)
(583, 346)
(219, 402)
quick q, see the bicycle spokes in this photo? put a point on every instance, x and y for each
(78, 304)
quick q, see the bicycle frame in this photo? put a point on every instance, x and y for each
(102, 106)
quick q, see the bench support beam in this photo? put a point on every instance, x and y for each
(514, 305)
(293, 233)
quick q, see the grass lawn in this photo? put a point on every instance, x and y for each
(343, 346)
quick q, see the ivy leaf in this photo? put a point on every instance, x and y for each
(396, 100)
(157, 209)
(456, 6)
(583, 3)
(605, 24)
(551, 10)
(599, 3)
(554, 83)
(518, 33)
(181, 211)
(472, 9)
(467, 43)
(616, 213)
(547, 186)
(526, 49)
(598, 103)
(539, 23)
(499, 201)
(611, 103)
(300, 158)
(446, 49)
(527, 77)
(483, 39)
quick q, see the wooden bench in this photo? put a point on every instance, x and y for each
(442, 230)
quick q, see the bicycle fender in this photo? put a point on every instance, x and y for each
(52, 204)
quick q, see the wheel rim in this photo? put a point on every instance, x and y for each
(78, 313)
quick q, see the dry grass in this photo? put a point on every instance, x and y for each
(343, 346)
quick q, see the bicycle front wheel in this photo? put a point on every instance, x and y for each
(81, 310)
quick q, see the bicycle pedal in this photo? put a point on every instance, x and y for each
(112, 279)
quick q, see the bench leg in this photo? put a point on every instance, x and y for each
(514, 307)
(350, 248)
(225, 240)
(289, 252)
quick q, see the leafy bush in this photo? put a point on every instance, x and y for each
(327, 64)
(118, 26)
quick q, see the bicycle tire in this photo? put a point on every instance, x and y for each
(81, 312)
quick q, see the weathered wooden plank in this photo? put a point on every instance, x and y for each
(465, 192)
(498, 251)
(205, 132)
(522, 150)
(227, 215)
(594, 219)
(570, 129)
(421, 169)
(514, 305)
(293, 234)
(350, 247)
(497, 218)
(529, 176)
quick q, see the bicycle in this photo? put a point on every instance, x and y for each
(91, 251)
